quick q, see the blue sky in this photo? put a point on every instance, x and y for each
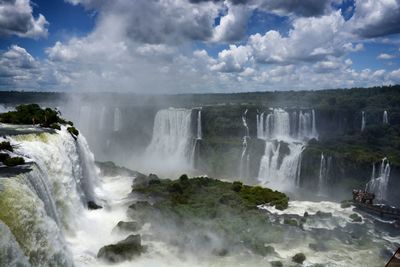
(198, 46)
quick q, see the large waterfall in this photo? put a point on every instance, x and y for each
(244, 166)
(363, 120)
(285, 136)
(323, 175)
(38, 206)
(379, 185)
(172, 142)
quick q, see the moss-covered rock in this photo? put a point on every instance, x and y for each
(73, 131)
(131, 226)
(355, 217)
(6, 146)
(299, 258)
(13, 161)
(291, 222)
(126, 249)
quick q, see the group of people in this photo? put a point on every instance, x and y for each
(363, 196)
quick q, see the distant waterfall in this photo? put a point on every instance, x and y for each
(285, 136)
(199, 136)
(102, 119)
(244, 166)
(117, 120)
(363, 120)
(385, 117)
(276, 124)
(323, 176)
(379, 185)
(47, 200)
(172, 140)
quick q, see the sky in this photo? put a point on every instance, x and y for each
(198, 46)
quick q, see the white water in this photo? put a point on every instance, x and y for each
(117, 120)
(363, 120)
(171, 146)
(323, 177)
(281, 168)
(385, 117)
(244, 165)
(379, 185)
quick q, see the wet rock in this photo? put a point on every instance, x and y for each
(93, 206)
(317, 246)
(299, 258)
(124, 250)
(140, 205)
(276, 264)
(129, 226)
(355, 217)
(291, 222)
(322, 214)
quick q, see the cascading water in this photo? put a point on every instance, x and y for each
(172, 140)
(38, 206)
(379, 185)
(284, 143)
(197, 139)
(323, 177)
(385, 117)
(117, 119)
(363, 120)
(244, 166)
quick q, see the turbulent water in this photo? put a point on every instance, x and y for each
(285, 135)
(44, 220)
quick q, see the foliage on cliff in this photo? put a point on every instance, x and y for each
(32, 114)
(205, 208)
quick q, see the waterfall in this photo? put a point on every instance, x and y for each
(244, 166)
(385, 117)
(40, 205)
(363, 120)
(117, 120)
(172, 140)
(277, 124)
(199, 132)
(102, 119)
(323, 177)
(285, 136)
(379, 185)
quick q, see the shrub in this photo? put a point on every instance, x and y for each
(55, 126)
(73, 131)
(237, 186)
(14, 161)
(6, 146)
(3, 157)
(184, 178)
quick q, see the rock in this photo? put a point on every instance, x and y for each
(322, 214)
(355, 217)
(317, 246)
(124, 250)
(299, 258)
(291, 222)
(128, 226)
(276, 264)
(93, 206)
(140, 205)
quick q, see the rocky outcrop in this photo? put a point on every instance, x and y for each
(126, 249)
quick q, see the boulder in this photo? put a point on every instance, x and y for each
(128, 226)
(93, 206)
(276, 264)
(124, 250)
(299, 258)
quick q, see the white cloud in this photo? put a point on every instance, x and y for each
(16, 19)
(386, 56)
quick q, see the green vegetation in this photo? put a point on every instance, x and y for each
(73, 131)
(13, 161)
(205, 205)
(355, 217)
(32, 114)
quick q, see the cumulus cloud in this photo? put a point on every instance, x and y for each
(301, 8)
(376, 18)
(16, 19)
(385, 56)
